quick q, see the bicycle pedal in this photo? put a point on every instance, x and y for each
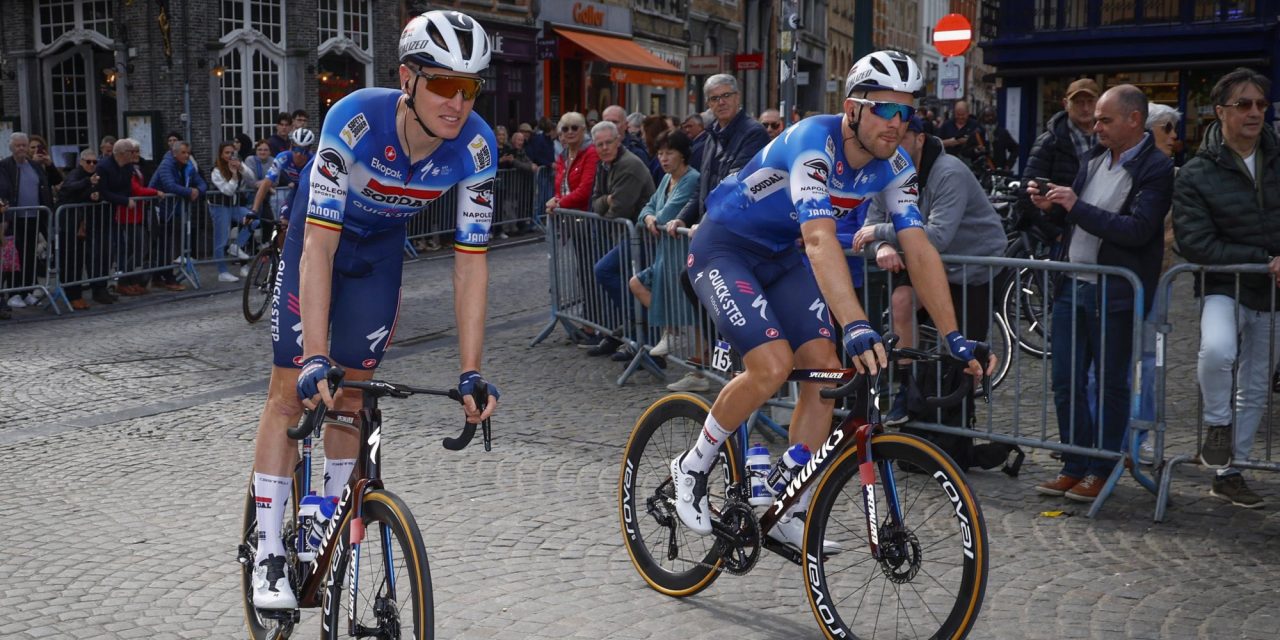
(282, 616)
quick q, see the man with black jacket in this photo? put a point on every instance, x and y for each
(84, 232)
(1113, 215)
(24, 185)
(1226, 210)
(1056, 153)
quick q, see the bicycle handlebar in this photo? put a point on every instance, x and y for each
(982, 353)
(312, 419)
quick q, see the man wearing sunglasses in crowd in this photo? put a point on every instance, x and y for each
(384, 155)
(746, 268)
(771, 120)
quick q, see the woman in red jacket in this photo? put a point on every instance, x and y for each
(575, 166)
(129, 220)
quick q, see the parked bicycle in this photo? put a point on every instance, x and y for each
(260, 280)
(369, 573)
(915, 549)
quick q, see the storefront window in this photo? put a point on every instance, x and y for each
(250, 86)
(1223, 10)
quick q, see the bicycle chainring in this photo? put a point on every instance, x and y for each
(738, 537)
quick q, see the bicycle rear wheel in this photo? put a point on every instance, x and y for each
(651, 529)
(389, 574)
(259, 626)
(256, 296)
(1026, 307)
(931, 578)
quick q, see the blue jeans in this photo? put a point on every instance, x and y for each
(608, 272)
(222, 218)
(1079, 346)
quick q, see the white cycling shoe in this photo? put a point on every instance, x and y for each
(792, 532)
(691, 498)
(271, 588)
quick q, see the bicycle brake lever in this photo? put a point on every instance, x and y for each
(488, 435)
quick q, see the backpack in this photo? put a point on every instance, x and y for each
(922, 382)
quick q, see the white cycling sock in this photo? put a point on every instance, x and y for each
(336, 473)
(271, 493)
(708, 445)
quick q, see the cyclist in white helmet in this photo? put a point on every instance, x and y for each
(384, 154)
(746, 268)
(286, 168)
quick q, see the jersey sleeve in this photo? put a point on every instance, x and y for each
(808, 171)
(329, 178)
(475, 193)
(277, 167)
(901, 193)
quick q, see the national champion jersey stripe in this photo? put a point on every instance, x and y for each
(462, 248)
(325, 224)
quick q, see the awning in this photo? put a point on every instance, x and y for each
(629, 62)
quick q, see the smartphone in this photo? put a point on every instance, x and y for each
(1042, 184)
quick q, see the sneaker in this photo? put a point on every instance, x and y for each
(691, 498)
(606, 347)
(791, 532)
(244, 271)
(271, 588)
(16, 302)
(227, 277)
(663, 347)
(1215, 453)
(1059, 486)
(624, 354)
(235, 251)
(1233, 489)
(79, 304)
(433, 243)
(585, 340)
(1086, 490)
(692, 381)
(898, 412)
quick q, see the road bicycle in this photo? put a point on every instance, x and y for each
(915, 548)
(259, 282)
(370, 574)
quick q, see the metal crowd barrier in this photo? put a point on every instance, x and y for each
(1183, 431)
(27, 271)
(586, 249)
(517, 206)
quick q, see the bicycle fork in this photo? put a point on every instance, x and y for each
(867, 475)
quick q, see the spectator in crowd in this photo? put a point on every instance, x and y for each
(1125, 187)
(732, 141)
(654, 286)
(929, 121)
(299, 119)
(1226, 210)
(24, 186)
(279, 141)
(696, 130)
(771, 120)
(1000, 146)
(635, 125)
(84, 233)
(622, 187)
(575, 167)
(1056, 153)
(43, 157)
(503, 139)
(961, 135)
(959, 220)
(229, 177)
(120, 184)
(1162, 122)
(651, 128)
(244, 146)
(177, 176)
(104, 147)
(541, 147)
(516, 201)
(631, 142)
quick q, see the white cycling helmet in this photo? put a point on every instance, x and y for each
(445, 39)
(884, 71)
(302, 138)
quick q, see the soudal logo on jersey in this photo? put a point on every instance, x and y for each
(331, 165)
(390, 153)
(482, 194)
(817, 170)
(911, 185)
(397, 195)
(844, 204)
(760, 184)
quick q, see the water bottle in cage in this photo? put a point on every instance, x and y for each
(758, 470)
(796, 457)
(313, 516)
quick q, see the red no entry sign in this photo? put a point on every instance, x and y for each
(952, 35)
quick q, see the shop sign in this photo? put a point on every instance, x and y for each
(547, 48)
(588, 15)
(705, 65)
(748, 61)
(510, 45)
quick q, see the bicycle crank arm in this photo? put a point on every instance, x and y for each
(787, 551)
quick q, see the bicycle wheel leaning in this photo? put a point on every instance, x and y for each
(389, 571)
(260, 627)
(1026, 307)
(670, 558)
(256, 296)
(933, 574)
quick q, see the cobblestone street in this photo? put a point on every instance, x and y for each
(129, 436)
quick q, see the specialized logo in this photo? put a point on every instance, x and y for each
(480, 153)
(397, 195)
(820, 307)
(376, 337)
(390, 172)
(899, 162)
(761, 304)
(331, 165)
(817, 170)
(482, 194)
(911, 185)
(806, 472)
(389, 153)
(724, 300)
(354, 129)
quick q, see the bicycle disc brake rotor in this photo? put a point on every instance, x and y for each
(740, 545)
(901, 555)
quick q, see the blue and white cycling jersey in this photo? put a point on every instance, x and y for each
(361, 181)
(283, 172)
(791, 182)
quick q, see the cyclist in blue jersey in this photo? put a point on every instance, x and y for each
(286, 170)
(384, 154)
(746, 267)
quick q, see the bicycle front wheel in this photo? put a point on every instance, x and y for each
(257, 285)
(670, 558)
(383, 588)
(932, 573)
